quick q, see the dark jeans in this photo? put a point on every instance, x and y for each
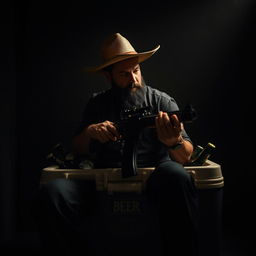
(65, 209)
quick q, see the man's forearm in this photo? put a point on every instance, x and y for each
(81, 142)
(183, 154)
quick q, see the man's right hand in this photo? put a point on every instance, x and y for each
(103, 132)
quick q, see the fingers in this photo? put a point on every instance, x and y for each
(103, 132)
(176, 123)
(168, 128)
(112, 130)
(166, 123)
(163, 124)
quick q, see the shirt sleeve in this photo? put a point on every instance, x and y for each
(88, 116)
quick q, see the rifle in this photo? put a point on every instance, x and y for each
(131, 124)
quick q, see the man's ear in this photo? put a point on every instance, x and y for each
(107, 75)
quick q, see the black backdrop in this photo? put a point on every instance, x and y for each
(207, 58)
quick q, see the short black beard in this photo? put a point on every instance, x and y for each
(127, 98)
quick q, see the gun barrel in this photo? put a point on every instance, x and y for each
(131, 124)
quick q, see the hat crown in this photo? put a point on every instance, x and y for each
(116, 45)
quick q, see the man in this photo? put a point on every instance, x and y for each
(122, 70)
(167, 147)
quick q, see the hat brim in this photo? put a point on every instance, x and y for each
(141, 57)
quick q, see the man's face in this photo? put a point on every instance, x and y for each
(127, 74)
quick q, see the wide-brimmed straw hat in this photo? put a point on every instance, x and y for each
(117, 48)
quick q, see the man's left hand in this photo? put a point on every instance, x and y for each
(168, 128)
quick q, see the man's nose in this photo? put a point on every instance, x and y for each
(132, 78)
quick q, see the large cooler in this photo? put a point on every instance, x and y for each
(126, 225)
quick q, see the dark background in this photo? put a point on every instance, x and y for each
(207, 58)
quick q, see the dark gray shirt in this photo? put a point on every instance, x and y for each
(107, 105)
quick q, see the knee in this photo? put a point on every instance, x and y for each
(169, 175)
(172, 172)
(55, 189)
(68, 191)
